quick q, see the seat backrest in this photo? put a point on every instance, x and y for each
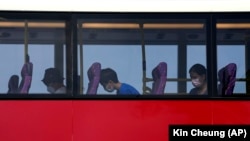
(159, 74)
(94, 73)
(13, 84)
(227, 78)
(26, 74)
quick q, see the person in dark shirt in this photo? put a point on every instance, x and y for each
(110, 82)
(198, 76)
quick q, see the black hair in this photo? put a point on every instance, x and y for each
(199, 69)
(52, 75)
(13, 84)
(107, 75)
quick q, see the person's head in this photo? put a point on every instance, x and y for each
(198, 75)
(13, 84)
(108, 79)
(52, 79)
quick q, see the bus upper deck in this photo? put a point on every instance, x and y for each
(133, 44)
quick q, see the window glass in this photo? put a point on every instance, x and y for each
(180, 44)
(232, 52)
(113, 46)
(28, 48)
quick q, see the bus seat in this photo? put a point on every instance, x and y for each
(94, 73)
(227, 78)
(26, 74)
(159, 74)
(13, 84)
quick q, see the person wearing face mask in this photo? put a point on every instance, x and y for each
(110, 83)
(54, 81)
(198, 76)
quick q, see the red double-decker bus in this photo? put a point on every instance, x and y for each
(134, 43)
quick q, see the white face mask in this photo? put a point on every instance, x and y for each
(51, 89)
(196, 82)
(109, 89)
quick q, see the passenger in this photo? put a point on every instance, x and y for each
(110, 82)
(54, 81)
(13, 84)
(198, 76)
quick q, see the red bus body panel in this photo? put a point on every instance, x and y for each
(111, 120)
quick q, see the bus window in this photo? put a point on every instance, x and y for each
(113, 45)
(233, 47)
(164, 53)
(43, 41)
(179, 43)
(135, 48)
